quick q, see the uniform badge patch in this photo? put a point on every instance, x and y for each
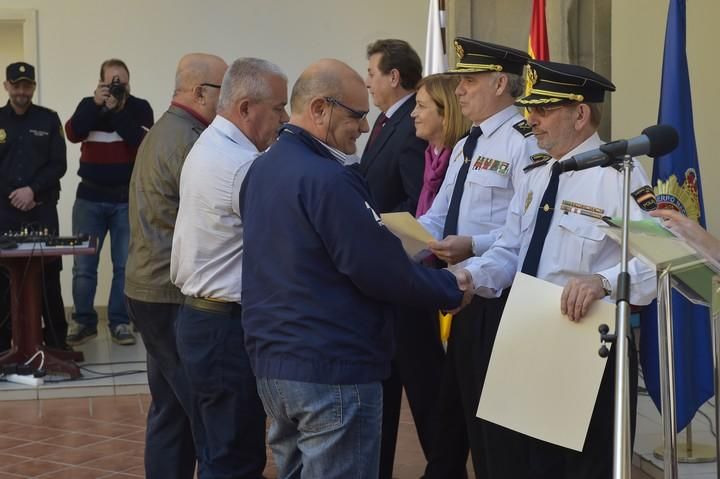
(484, 163)
(524, 128)
(3, 135)
(645, 198)
(528, 200)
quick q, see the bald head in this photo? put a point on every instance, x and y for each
(327, 77)
(194, 79)
(330, 101)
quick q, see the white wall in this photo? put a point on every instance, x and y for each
(75, 36)
(638, 29)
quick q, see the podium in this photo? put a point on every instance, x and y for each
(692, 271)
(25, 265)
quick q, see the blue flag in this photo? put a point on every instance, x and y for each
(676, 177)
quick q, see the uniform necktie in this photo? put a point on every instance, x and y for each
(542, 224)
(451, 219)
(377, 128)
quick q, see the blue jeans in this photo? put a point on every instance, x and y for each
(211, 348)
(323, 430)
(97, 219)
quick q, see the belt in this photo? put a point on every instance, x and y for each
(212, 305)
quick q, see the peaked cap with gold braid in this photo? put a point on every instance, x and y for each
(553, 83)
(477, 57)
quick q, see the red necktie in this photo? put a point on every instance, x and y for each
(377, 128)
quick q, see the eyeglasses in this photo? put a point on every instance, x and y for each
(211, 85)
(356, 114)
(541, 110)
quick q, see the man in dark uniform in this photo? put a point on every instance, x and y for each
(32, 161)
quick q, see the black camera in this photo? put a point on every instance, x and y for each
(117, 89)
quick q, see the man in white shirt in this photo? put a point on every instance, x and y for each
(544, 236)
(485, 169)
(206, 265)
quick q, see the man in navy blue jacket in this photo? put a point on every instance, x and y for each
(320, 275)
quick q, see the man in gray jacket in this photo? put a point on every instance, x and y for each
(152, 300)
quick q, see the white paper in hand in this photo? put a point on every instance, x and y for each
(545, 371)
(413, 235)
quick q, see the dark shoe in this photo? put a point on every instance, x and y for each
(80, 334)
(121, 335)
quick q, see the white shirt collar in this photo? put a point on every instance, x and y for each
(497, 120)
(342, 158)
(396, 106)
(228, 128)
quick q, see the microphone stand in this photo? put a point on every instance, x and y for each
(621, 420)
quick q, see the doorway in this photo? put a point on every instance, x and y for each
(18, 41)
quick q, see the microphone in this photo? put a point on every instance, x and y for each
(654, 141)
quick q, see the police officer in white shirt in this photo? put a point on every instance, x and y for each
(553, 232)
(485, 168)
(206, 264)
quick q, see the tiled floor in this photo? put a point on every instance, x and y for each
(94, 427)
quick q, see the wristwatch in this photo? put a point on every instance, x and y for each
(606, 286)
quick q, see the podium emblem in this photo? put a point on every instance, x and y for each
(683, 197)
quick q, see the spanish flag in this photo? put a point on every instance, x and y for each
(538, 41)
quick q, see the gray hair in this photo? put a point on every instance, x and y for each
(596, 111)
(247, 78)
(516, 85)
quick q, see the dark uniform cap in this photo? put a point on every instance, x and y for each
(20, 71)
(477, 57)
(554, 83)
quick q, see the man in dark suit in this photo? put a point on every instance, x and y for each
(393, 160)
(393, 164)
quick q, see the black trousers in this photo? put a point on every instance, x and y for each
(496, 451)
(53, 309)
(169, 445)
(417, 366)
(548, 461)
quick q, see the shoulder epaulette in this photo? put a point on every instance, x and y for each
(523, 128)
(538, 159)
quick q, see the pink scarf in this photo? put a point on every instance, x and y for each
(435, 167)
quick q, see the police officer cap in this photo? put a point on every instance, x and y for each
(476, 57)
(555, 83)
(16, 72)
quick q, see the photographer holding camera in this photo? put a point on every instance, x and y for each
(111, 124)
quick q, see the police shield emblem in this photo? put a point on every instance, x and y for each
(3, 135)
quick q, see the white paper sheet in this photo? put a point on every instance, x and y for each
(545, 370)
